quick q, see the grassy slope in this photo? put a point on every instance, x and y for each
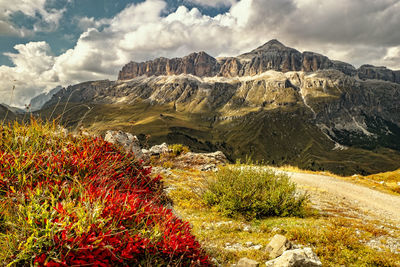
(278, 137)
(337, 239)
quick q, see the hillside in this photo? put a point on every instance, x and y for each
(274, 104)
(6, 113)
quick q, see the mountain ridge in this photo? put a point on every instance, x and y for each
(272, 55)
(324, 119)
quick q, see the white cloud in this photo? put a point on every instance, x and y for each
(213, 3)
(85, 23)
(351, 31)
(45, 20)
(392, 57)
(31, 74)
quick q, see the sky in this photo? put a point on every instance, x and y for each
(46, 43)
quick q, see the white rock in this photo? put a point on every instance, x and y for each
(245, 262)
(128, 141)
(278, 245)
(249, 244)
(159, 149)
(256, 247)
(295, 258)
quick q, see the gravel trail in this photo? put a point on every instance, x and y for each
(326, 189)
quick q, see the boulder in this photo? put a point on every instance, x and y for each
(128, 141)
(296, 258)
(245, 262)
(202, 161)
(277, 246)
(159, 149)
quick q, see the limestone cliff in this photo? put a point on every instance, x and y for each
(274, 103)
(273, 55)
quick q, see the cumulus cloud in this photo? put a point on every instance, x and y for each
(213, 3)
(31, 73)
(45, 20)
(85, 23)
(357, 32)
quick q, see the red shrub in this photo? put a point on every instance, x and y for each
(135, 228)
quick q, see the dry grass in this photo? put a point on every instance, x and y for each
(337, 240)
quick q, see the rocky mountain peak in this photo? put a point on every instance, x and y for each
(272, 55)
(273, 44)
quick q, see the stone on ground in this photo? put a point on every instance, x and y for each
(277, 246)
(296, 258)
(245, 262)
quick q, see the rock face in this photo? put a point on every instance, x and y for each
(378, 73)
(83, 92)
(37, 102)
(273, 55)
(198, 64)
(296, 258)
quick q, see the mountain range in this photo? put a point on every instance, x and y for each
(274, 104)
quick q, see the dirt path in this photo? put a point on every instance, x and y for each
(328, 192)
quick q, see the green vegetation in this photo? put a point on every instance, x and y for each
(178, 149)
(76, 200)
(253, 193)
(337, 239)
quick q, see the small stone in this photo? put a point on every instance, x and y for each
(245, 262)
(256, 247)
(278, 245)
(249, 244)
(246, 228)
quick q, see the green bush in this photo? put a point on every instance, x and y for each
(254, 192)
(178, 149)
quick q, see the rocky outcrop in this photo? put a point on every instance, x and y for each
(271, 56)
(378, 73)
(202, 161)
(37, 102)
(190, 160)
(82, 92)
(198, 64)
(157, 150)
(126, 140)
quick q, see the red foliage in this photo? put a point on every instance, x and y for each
(133, 203)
